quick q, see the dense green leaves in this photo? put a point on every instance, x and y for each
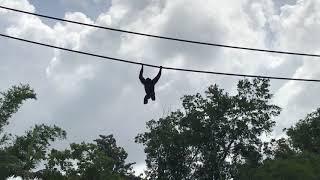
(300, 166)
(305, 135)
(215, 136)
(32, 147)
(100, 160)
(12, 100)
(295, 157)
(27, 151)
(211, 134)
(9, 165)
(23, 155)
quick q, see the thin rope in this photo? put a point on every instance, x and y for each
(164, 37)
(155, 66)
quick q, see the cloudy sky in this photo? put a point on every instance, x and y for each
(87, 96)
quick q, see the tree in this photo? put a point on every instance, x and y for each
(211, 134)
(296, 167)
(10, 102)
(100, 160)
(294, 157)
(9, 165)
(32, 148)
(305, 135)
(21, 156)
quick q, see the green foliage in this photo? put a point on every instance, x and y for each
(294, 157)
(10, 102)
(215, 136)
(195, 143)
(103, 160)
(305, 135)
(283, 149)
(9, 164)
(302, 166)
(298, 156)
(20, 157)
(27, 151)
(32, 147)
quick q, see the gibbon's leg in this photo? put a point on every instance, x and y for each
(153, 97)
(145, 100)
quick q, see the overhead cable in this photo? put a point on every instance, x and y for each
(165, 37)
(155, 66)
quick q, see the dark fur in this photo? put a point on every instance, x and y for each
(149, 85)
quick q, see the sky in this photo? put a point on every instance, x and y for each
(87, 96)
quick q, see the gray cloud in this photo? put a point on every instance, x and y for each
(88, 96)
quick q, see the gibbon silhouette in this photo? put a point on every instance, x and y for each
(149, 85)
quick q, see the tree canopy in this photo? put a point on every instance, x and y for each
(216, 135)
(294, 157)
(100, 160)
(211, 134)
(22, 155)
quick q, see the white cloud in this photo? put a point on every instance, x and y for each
(296, 30)
(87, 96)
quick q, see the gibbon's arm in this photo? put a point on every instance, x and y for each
(156, 79)
(141, 76)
